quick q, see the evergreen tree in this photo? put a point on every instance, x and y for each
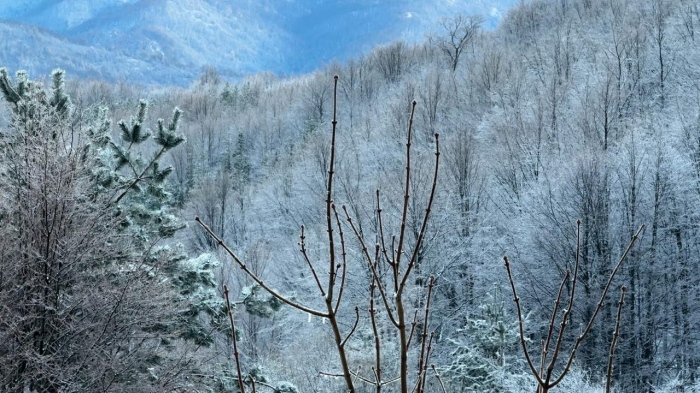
(241, 163)
(484, 357)
(93, 297)
(145, 207)
(230, 96)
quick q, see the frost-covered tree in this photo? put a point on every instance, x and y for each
(458, 32)
(92, 297)
(484, 353)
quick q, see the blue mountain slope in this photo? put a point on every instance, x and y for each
(180, 37)
(190, 34)
(13, 9)
(38, 52)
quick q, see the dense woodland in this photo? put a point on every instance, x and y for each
(571, 110)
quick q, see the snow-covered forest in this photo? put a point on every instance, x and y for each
(571, 110)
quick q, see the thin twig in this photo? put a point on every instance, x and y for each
(267, 385)
(344, 263)
(233, 339)
(550, 332)
(567, 313)
(326, 374)
(616, 335)
(413, 328)
(428, 209)
(427, 357)
(439, 378)
(302, 244)
(423, 359)
(357, 320)
(543, 354)
(354, 374)
(545, 349)
(378, 382)
(380, 223)
(332, 272)
(377, 342)
(329, 195)
(393, 258)
(255, 277)
(252, 382)
(516, 299)
(407, 186)
(580, 339)
(372, 266)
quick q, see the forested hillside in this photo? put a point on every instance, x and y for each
(156, 42)
(571, 110)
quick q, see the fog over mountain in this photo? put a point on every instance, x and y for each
(171, 41)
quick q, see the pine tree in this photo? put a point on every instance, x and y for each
(141, 200)
(94, 298)
(241, 163)
(484, 358)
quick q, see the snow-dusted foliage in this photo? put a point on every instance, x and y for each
(93, 297)
(484, 354)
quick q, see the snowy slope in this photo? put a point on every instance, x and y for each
(38, 52)
(181, 37)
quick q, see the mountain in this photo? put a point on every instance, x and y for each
(38, 51)
(171, 41)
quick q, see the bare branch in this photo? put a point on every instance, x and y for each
(357, 320)
(344, 264)
(377, 342)
(329, 194)
(255, 277)
(332, 272)
(252, 382)
(439, 378)
(545, 345)
(413, 328)
(567, 312)
(424, 372)
(424, 225)
(580, 339)
(373, 268)
(407, 186)
(516, 299)
(302, 244)
(389, 260)
(423, 357)
(616, 335)
(233, 339)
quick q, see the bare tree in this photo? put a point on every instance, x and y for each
(661, 11)
(391, 60)
(459, 31)
(553, 340)
(468, 179)
(392, 292)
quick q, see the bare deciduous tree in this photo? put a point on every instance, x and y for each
(394, 255)
(459, 32)
(552, 342)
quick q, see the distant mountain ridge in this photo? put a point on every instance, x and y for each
(171, 41)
